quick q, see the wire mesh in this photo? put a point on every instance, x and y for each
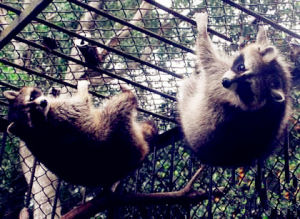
(151, 54)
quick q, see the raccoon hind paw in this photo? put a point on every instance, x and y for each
(201, 20)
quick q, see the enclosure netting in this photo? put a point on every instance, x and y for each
(151, 56)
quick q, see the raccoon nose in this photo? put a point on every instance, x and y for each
(226, 82)
(43, 103)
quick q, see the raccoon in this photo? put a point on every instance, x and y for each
(78, 142)
(232, 109)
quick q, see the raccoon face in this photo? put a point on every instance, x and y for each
(26, 102)
(255, 76)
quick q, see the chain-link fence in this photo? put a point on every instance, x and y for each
(150, 47)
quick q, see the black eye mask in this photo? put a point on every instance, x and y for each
(238, 65)
(35, 94)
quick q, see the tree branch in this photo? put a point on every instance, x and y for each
(183, 196)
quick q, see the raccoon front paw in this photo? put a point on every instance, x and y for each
(127, 95)
(54, 92)
(149, 130)
(201, 21)
(130, 97)
(125, 88)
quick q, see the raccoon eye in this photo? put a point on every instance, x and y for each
(34, 94)
(241, 67)
(31, 98)
(276, 83)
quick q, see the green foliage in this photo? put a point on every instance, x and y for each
(9, 174)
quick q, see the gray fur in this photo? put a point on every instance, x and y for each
(233, 126)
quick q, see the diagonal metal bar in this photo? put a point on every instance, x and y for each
(117, 51)
(31, 71)
(262, 18)
(182, 17)
(13, 87)
(93, 42)
(22, 20)
(95, 68)
(140, 29)
(9, 8)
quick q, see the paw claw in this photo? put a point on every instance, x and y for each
(125, 88)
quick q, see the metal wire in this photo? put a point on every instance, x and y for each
(151, 54)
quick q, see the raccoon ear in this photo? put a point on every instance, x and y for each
(10, 94)
(277, 95)
(269, 53)
(10, 128)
